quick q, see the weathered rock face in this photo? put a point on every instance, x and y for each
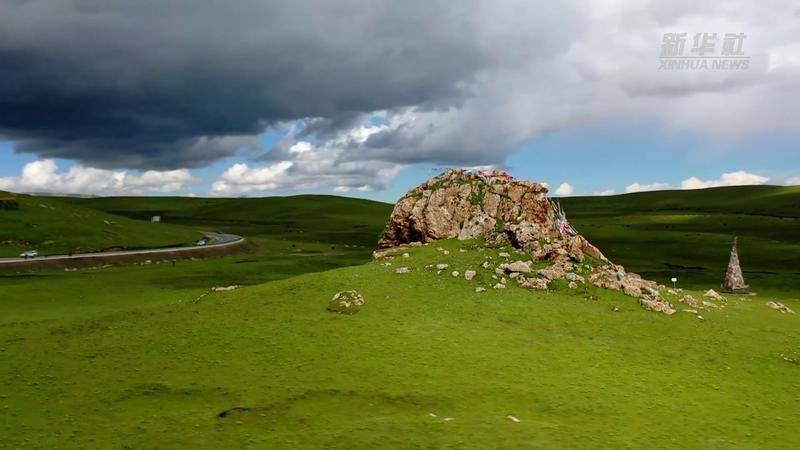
(467, 205)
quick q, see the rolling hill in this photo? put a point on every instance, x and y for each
(54, 225)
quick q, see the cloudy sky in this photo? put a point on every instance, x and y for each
(368, 98)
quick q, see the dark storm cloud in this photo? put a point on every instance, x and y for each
(154, 84)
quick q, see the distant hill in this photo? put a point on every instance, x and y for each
(53, 225)
(688, 233)
(316, 218)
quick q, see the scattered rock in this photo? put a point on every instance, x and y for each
(714, 294)
(657, 305)
(553, 272)
(779, 306)
(346, 302)
(225, 288)
(513, 275)
(516, 266)
(406, 255)
(504, 255)
(573, 285)
(455, 273)
(574, 277)
(616, 309)
(533, 283)
(499, 286)
(442, 266)
(691, 301)
(469, 274)
(480, 289)
(402, 270)
(512, 418)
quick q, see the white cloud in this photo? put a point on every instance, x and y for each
(565, 189)
(302, 165)
(738, 178)
(606, 192)
(793, 181)
(638, 187)
(43, 176)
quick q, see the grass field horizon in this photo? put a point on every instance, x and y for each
(155, 361)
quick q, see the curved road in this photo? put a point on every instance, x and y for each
(219, 239)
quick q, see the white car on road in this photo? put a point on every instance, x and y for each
(29, 254)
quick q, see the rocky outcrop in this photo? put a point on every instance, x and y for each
(468, 204)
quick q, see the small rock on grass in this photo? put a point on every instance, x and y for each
(512, 418)
(442, 266)
(499, 286)
(346, 302)
(779, 306)
(455, 273)
(402, 270)
(469, 274)
(480, 289)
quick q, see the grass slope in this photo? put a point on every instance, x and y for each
(55, 225)
(425, 348)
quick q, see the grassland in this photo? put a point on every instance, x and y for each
(125, 356)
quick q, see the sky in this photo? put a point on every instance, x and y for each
(370, 98)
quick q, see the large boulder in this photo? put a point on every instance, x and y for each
(468, 204)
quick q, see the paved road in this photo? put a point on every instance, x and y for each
(217, 239)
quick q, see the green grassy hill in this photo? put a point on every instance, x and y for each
(56, 225)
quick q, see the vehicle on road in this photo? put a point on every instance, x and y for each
(29, 254)
(201, 242)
